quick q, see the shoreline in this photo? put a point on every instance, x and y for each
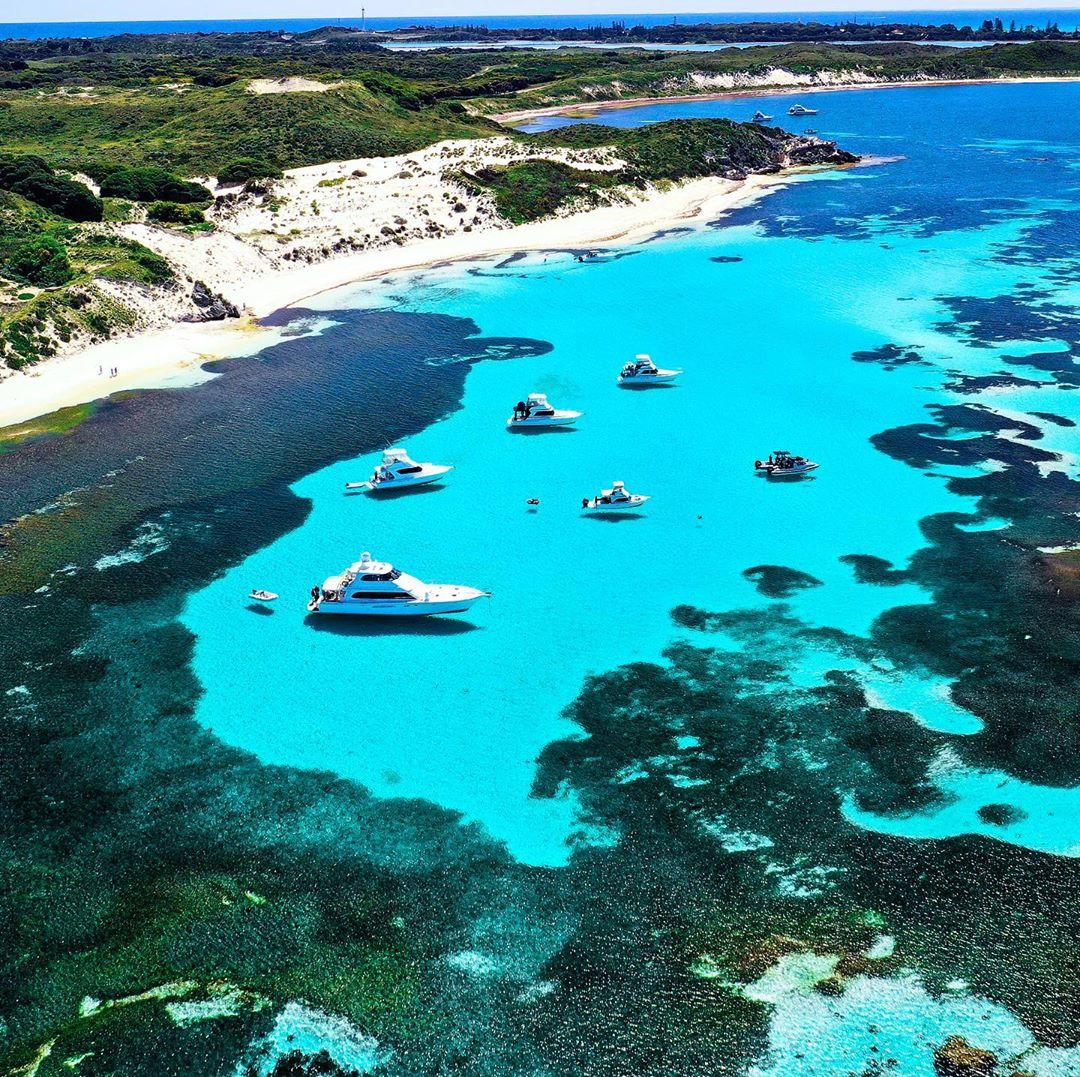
(585, 109)
(173, 356)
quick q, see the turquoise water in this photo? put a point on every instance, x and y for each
(457, 711)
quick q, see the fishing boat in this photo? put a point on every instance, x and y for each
(760, 117)
(801, 110)
(644, 372)
(784, 465)
(398, 471)
(370, 588)
(617, 499)
(536, 413)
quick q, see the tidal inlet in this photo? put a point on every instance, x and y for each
(540, 544)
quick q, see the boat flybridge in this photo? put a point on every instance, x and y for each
(377, 589)
(801, 110)
(784, 465)
(397, 471)
(535, 413)
(643, 371)
(760, 117)
(617, 499)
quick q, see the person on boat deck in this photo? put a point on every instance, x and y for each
(519, 410)
(584, 502)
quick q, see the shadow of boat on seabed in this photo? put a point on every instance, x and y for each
(348, 625)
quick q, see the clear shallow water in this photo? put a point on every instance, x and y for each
(838, 266)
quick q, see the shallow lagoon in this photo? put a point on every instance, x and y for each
(766, 325)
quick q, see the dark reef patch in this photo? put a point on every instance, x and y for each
(725, 259)
(890, 356)
(1057, 420)
(970, 384)
(875, 570)
(371, 378)
(1001, 814)
(779, 581)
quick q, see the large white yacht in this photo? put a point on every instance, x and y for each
(617, 499)
(801, 110)
(643, 372)
(536, 412)
(377, 589)
(397, 471)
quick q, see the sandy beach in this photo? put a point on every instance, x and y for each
(173, 355)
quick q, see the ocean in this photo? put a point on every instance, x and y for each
(777, 779)
(1066, 18)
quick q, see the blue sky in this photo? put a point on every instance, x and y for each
(82, 11)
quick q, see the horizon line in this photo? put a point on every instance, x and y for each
(973, 7)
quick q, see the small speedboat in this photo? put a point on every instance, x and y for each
(262, 596)
(801, 110)
(535, 413)
(810, 131)
(643, 371)
(377, 589)
(760, 117)
(784, 465)
(398, 471)
(617, 499)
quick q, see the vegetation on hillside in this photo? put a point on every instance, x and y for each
(657, 153)
(48, 266)
(183, 102)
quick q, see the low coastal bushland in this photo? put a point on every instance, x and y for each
(655, 154)
(55, 280)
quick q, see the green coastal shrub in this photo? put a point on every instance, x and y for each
(174, 213)
(40, 260)
(243, 169)
(32, 178)
(150, 184)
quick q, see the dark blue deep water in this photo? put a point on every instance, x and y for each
(1066, 18)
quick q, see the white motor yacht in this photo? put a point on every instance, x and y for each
(643, 371)
(535, 412)
(760, 117)
(801, 110)
(617, 499)
(784, 465)
(377, 589)
(397, 471)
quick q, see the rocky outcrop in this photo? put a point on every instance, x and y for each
(957, 1058)
(807, 150)
(210, 307)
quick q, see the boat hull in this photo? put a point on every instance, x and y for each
(388, 486)
(635, 504)
(560, 418)
(440, 599)
(643, 381)
(786, 473)
(400, 609)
